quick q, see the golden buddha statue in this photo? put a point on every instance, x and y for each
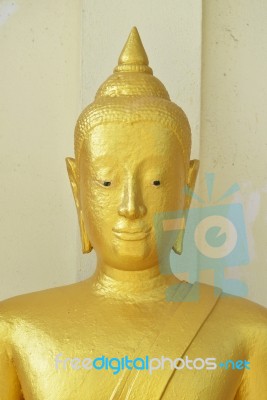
(114, 336)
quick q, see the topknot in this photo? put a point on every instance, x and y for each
(132, 93)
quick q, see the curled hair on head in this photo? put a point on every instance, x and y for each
(132, 94)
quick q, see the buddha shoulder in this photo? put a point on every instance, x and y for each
(238, 317)
(60, 302)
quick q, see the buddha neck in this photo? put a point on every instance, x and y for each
(130, 286)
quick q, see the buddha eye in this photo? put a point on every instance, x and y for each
(156, 183)
(106, 183)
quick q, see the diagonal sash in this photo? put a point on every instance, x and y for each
(192, 306)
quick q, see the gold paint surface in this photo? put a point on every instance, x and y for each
(132, 161)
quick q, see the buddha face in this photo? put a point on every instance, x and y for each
(127, 174)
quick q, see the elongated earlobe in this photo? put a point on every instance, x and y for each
(191, 180)
(71, 167)
(86, 245)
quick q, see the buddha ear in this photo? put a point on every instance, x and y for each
(190, 185)
(73, 177)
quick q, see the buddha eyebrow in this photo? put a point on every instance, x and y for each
(99, 161)
(104, 161)
(153, 157)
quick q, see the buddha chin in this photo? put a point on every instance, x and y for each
(135, 250)
(130, 250)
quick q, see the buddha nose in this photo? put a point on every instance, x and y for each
(132, 206)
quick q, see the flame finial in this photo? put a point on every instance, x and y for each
(133, 57)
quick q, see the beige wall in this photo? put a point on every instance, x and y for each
(234, 120)
(40, 99)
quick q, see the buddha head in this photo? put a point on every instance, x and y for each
(132, 162)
